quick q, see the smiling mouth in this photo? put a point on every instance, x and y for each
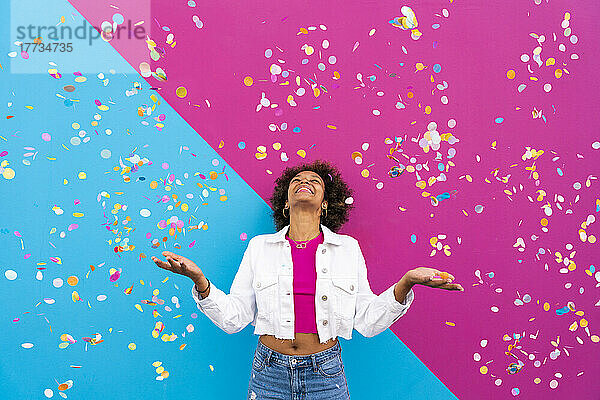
(304, 189)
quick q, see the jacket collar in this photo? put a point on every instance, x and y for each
(328, 236)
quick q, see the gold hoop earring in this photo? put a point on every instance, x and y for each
(325, 208)
(283, 212)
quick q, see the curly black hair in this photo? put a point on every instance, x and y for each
(336, 193)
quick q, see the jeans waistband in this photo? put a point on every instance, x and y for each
(309, 360)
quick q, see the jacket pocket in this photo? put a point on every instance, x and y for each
(345, 290)
(265, 290)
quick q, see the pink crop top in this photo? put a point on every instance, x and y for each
(304, 282)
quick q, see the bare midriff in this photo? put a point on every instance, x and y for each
(303, 344)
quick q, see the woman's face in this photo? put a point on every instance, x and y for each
(306, 188)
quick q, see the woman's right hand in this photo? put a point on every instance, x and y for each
(180, 265)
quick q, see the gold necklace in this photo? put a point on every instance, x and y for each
(303, 244)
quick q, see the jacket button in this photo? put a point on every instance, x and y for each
(324, 322)
(351, 287)
(323, 251)
(324, 270)
(324, 298)
(258, 285)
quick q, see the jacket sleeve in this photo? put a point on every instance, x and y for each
(231, 312)
(376, 313)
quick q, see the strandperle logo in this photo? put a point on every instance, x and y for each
(52, 33)
(85, 32)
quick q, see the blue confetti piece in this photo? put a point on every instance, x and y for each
(499, 120)
(562, 311)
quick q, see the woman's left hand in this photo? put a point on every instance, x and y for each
(431, 277)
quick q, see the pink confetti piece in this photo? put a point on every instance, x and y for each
(115, 276)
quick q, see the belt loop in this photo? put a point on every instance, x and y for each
(314, 362)
(268, 357)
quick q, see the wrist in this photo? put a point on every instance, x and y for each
(201, 283)
(406, 282)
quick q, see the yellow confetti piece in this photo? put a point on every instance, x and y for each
(182, 346)
(546, 306)
(595, 338)
(132, 346)
(510, 74)
(483, 369)
(139, 308)
(82, 175)
(301, 153)
(573, 326)
(333, 127)
(75, 296)
(449, 323)
(248, 81)
(181, 92)
(157, 364)
(558, 73)
(211, 367)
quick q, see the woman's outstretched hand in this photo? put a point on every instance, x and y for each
(431, 277)
(180, 265)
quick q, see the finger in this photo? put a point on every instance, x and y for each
(454, 286)
(162, 264)
(172, 255)
(440, 282)
(174, 263)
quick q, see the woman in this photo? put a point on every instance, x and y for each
(302, 287)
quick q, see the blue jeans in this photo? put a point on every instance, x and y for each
(318, 376)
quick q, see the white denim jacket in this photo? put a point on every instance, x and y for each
(262, 291)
